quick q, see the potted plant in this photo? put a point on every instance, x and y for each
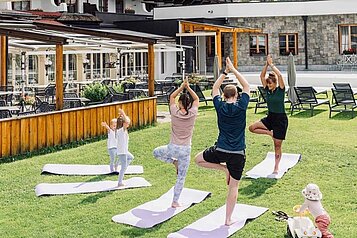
(95, 92)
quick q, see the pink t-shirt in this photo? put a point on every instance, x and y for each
(182, 125)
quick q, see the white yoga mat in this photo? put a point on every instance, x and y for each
(157, 211)
(212, 225)
(82, 169)
(266, 167)
(88, 187)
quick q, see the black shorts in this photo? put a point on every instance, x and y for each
(235, 162)
(278, 123)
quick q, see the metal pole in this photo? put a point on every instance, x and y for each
(305, 35)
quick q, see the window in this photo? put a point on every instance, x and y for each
(348, 39)
(21, 6)
(258, 44)
(103, 5)
(288, 44)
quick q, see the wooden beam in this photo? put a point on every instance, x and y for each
(27, 34)
(219, 48)
(59, 77)
(3, 43)
(151, 67)
(235, 50)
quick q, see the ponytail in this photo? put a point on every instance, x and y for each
(186, 101)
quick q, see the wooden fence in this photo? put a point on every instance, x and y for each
(31, 133)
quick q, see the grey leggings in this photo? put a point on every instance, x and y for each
(125, 160)
(182, 153)
(112, 154)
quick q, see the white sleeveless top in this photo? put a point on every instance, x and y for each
(123, 141)
(112, 140)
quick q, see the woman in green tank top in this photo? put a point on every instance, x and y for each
(275, 124)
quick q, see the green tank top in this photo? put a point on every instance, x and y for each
(275, 100)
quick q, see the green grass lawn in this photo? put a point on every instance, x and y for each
(329, 159)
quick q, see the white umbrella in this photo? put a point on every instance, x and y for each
(291, 79)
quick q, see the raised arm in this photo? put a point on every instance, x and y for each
(262, 75)
(219, 81)
(176, 92)
(196, 99)
(123, 115)
(276, 71)
(104, 124)
(239, 76)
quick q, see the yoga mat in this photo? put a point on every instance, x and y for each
(88, 187)
(157, 211)
(266, 167)
(212, 225)
(82, 169)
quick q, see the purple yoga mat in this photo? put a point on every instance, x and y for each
(157, 211)
(212, 225)
(88, 187)
(84, 169)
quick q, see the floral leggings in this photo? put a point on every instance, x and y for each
(182, 153)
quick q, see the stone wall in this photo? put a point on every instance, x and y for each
(322, 34)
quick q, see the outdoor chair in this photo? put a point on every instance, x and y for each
(344, 101)
(70, 95)
(40, 108)
(196, 88)
(47, 93)
(72, 103)
(117, 97)
(5, 114)
(2, 103)
(262, 101)
(165, 97)
(307, 96)
(345, 86)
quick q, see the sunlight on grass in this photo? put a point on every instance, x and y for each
(329, 159)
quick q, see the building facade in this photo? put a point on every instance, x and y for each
(318, 33)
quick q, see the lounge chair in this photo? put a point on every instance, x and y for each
(307, 96)
(196, 88)
(344, 101)
(165, 97)
(346, 86)
(262, 101)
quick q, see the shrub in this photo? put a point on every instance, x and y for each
(95, 92)
(118, 87)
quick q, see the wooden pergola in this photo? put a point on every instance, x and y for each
(115, 36)
(42, 37)
(52, 34)
(192, 27)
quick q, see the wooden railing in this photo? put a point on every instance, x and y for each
(30, 133)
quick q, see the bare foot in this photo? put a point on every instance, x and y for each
(229, 222)
(121, 185)
(175, 204)
(176, 166)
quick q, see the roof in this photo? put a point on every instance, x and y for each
(78, 17)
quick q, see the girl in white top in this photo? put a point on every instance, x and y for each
(122, 136)
(112, 142)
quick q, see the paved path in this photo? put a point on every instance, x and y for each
(311, 78)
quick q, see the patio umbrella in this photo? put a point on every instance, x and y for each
(215, 68)
(291, 79)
